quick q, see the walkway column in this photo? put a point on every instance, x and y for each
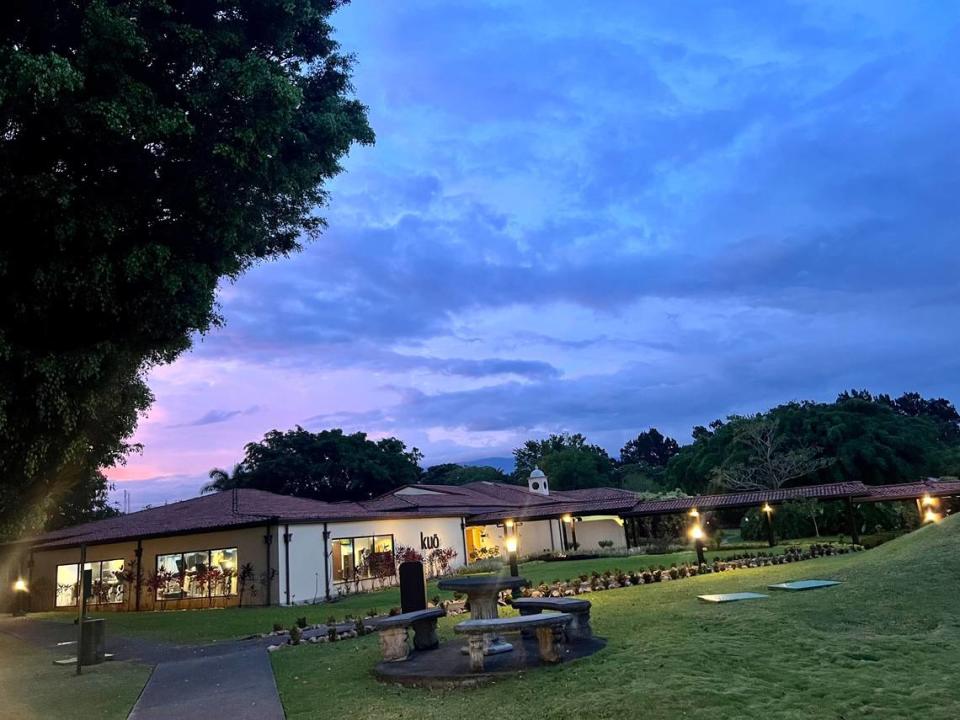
(854, 525)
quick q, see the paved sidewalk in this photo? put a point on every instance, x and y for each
(227, 679)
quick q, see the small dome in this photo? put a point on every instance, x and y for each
(537, 473)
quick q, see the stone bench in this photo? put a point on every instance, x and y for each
(579, 628)
(393, 632)
(549, 629)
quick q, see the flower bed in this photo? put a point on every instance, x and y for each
(611, 579)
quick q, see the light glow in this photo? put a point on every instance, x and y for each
(568, 518)
(508, 523)
(694, 513)
(928, 501)
(766, 508)
(696, 532)
(931, 517)
(511, 544)
(20, 585)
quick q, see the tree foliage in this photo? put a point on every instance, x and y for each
(149, 148)
(327, 465)
(649, 447)
(454, 474)
(569, 461)
(865, 439)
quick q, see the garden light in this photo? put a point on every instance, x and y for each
(511, 544)
(928, 501)
(20, 585)
(931, 517)
(512, 554)
(694, 513)
(696, 532)
(766, 508)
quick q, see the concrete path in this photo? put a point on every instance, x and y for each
(237, 685)
(226, 679)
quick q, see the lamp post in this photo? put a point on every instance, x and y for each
(768, 511)
(568, 518)
(512, 555)
(696, 532)
(929, 515)
(20, 601)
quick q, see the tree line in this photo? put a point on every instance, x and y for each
(872, 439)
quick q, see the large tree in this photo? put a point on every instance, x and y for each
(650, 447)
(148, 149)
(568, 460)
(327, 465)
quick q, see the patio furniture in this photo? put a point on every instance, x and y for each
(483, 591)
(549, 628)
(578, 629)
(393, 632)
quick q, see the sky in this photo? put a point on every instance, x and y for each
(598, 218)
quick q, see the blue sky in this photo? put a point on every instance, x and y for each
(599, 217)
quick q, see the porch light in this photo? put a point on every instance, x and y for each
(567, 518)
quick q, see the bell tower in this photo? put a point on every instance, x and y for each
(537, 482)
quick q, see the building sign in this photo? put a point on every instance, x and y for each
(429, 542)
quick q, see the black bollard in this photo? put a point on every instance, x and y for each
(413, 587)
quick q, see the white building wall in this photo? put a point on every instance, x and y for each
(591, 530)
(310, 571)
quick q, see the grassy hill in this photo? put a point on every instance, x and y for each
(885, 644)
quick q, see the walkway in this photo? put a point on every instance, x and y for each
(229, 679)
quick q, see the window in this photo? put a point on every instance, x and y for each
(196, 574)
(360, 558)
(107, 587)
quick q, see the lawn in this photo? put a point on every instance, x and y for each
(204, 626)
(33, 688)
(885, 644)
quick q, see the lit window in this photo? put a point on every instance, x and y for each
(197, 574)
(106, 585)
(362, 558)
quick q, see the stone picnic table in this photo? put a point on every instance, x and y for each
(483, 591)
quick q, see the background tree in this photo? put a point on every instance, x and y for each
(649, 447)
(454, 474)
(531, 453)
(327, 465)
(150, 148)
(568, 460)
(769, 459)
(221, 479)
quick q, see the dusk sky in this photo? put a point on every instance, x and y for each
(598, 217)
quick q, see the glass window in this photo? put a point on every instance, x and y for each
(106, 587)
(343, 560)
(362, 558)
(67, 590)
(197, 573)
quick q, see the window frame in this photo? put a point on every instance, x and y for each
(234, 592)
(353, 554)
(96, 578)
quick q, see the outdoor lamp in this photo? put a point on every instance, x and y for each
(512, 553)
(567, 518)
(766, 508)
(20, 585)
(696, 532)
(508, 523)
(20, 607)
(928, 501)
(694, 513)
(930, 516)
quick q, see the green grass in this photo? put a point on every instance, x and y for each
(206, 626)
(885, 644)
(33, 688)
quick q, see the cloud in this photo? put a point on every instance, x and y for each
(601, 222)
(212, 417)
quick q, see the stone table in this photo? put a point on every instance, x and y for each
(483, 591)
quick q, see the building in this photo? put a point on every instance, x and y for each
(256, 548)
(252, 547)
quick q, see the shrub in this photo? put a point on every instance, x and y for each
(277, 627)
(295, 635)
(605, 543)
(301, 622)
